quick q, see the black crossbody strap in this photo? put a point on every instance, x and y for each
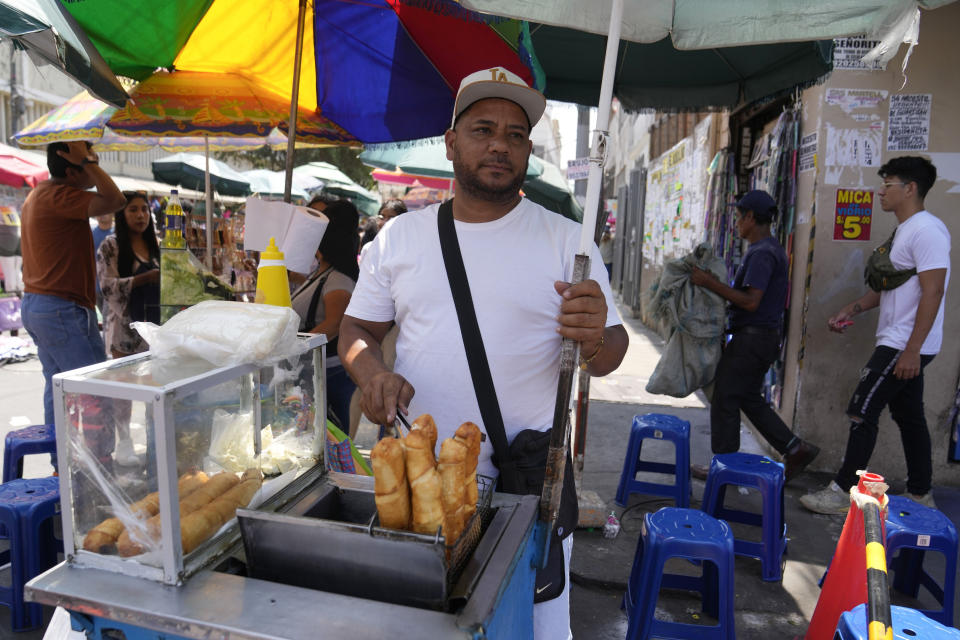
(473, 341)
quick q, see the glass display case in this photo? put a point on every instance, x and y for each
(207, 440)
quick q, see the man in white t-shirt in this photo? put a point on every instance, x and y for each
(518, 258)
(909, 334)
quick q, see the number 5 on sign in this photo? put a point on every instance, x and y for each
(852, 228)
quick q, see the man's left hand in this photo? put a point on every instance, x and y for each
(583, 313)
(908, 365)
(700, 277)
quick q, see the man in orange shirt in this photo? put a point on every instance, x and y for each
(59, 271)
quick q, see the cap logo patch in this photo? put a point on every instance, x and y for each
(497, 75)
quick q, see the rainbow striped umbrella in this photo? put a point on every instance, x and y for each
(377, 70)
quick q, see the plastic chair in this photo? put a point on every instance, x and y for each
(765, 475)
(913, 529)
(40, 438)
(27, 507)
(657, 426)
(908, 624)
(681, 533)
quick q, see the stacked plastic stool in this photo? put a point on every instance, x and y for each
(913, 529)
(40, 438)
(27, 507)
(765, 475)
(657, 426)
(907, 624)
(693, 535)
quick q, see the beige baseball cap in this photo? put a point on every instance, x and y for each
(498, 82)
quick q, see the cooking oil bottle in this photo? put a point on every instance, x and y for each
(174, 224)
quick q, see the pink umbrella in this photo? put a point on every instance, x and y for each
(17, 172)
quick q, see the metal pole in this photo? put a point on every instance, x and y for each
(209, 201)
(294, 102)
(560, 436)
(878, 593)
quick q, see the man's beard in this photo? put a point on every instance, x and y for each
(469, 181)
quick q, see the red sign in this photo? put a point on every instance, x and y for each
(854, 214)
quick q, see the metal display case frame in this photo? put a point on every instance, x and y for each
(160, 400)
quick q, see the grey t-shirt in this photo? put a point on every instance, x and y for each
(332, 280)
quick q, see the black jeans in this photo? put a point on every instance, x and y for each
(879, 388)
(738, 387)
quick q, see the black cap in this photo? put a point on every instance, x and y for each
(758, 201)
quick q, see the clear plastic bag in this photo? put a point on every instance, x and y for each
(225, 333)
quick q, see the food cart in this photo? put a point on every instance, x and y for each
(304, 558)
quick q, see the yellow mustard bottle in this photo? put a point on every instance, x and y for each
(272, 284)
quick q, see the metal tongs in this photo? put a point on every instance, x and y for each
(401, 423)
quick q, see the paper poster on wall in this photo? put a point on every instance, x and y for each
(850, 99)
(847, 54)
(909, 122)
(808, 152)
(674, 211)
(854, 214)
(856, 147)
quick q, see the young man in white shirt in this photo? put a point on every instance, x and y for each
(518, 258)
(909, 334)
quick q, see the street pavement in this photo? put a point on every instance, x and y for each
(600, 567)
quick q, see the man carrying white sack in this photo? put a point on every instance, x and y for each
(518, 258)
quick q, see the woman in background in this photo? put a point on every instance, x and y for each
(128, 268)
(322, 299)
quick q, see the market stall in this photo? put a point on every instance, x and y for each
(235, 525)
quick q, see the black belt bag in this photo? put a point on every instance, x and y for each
(523, 462)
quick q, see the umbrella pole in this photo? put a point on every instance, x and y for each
(560, 435)
(294, 101)
(208, 192)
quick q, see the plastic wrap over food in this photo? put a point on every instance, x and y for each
(225, 333)
(232, 448)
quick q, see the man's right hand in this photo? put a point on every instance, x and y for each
(839, 322)
(77, 151)
(383, 394)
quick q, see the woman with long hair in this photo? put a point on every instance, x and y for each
(322, 299)
(128, 266)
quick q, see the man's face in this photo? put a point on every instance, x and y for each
(894, 191)
(489, 148)
(744, 222)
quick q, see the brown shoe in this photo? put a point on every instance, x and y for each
(797, 461)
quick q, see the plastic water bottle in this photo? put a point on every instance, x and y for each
(612, 527)
(272, 284)
(174, 224)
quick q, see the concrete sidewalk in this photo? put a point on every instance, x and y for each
(600, 567)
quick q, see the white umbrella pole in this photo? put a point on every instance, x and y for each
(560, 435)
(209, 201)
(294, 101)
(598, 147)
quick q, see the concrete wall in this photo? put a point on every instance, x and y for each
(821, 377)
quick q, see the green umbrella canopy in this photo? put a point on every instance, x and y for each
(187, 170)
(49, 33)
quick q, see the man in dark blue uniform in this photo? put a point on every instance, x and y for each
(757, 300)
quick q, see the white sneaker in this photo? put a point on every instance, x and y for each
(926, 499)
(832, 500)
(125, 455)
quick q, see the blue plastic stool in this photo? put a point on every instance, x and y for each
(681, 533)
(657, 426)
(27, 507)
(762, 473)
(908, 624)
(913, 529)
(40, 438)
